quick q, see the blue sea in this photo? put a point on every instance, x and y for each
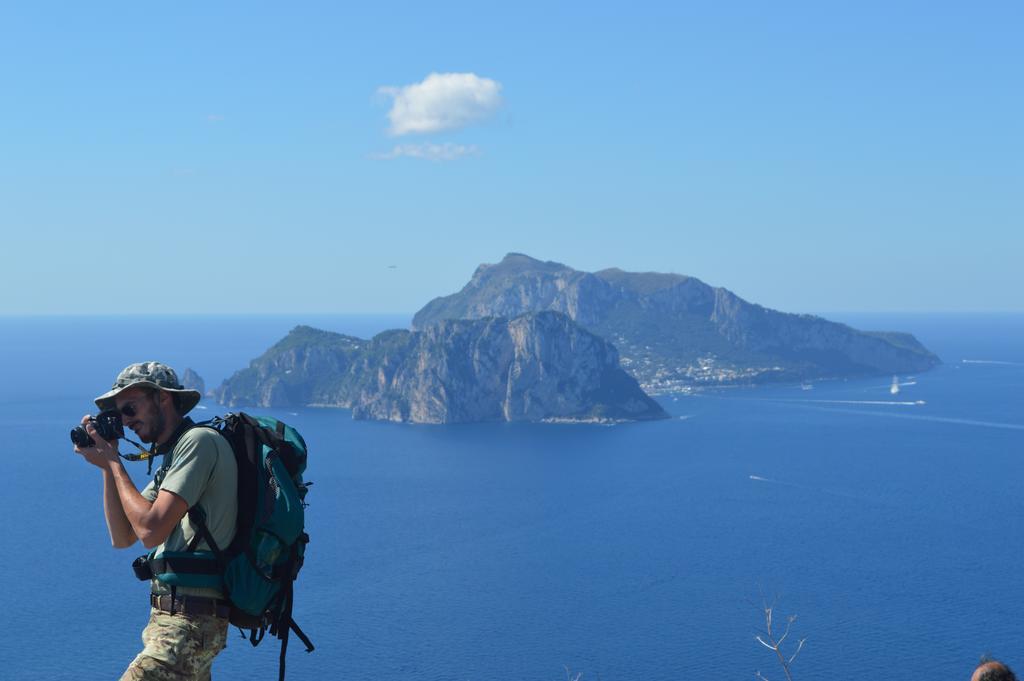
(890, 525)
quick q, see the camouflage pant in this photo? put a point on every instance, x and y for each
(178, 648)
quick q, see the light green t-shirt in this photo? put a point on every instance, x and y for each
(202, 471)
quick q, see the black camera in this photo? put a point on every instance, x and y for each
(107, 424)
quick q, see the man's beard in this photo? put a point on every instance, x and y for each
(153, 426)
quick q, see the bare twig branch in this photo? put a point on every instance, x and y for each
(799, 647)
(769, 640)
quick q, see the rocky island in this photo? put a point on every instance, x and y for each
(193, 381)
(527, 340)
(675, 332)
(532, 367)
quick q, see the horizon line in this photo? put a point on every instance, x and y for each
(143, 315)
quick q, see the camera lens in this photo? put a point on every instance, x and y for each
(81, 438)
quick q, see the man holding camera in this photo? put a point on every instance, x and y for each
(187, 625)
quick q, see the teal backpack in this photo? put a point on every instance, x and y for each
(257, 571)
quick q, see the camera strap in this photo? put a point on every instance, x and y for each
(149, 454)
(143, 455)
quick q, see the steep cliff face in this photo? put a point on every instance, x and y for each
(559, 369)
(673, 330)
(535, 367)
(452, 372)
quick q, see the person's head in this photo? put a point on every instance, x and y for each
(150, 399)
(992, 670)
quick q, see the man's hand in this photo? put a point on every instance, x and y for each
(103, 454)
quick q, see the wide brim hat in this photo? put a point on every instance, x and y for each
(150, 375)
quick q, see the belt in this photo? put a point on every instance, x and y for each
(190, 605)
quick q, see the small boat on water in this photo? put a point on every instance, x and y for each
(894, 389)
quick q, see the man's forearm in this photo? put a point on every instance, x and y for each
(122, 535)
(150, 524)
(134, 504)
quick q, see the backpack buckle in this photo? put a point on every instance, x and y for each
(142, 569)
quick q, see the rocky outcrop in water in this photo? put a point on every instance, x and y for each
(535, 367)
(675, 331)
(193, 381)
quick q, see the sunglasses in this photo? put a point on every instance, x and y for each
(129, 410)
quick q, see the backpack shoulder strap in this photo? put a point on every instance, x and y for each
(198, 520)
(168, 451)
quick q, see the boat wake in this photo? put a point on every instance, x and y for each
(863, 499)
(935, 419)
(808, 488)
(900, 384)
(888, 403)
(992, 361)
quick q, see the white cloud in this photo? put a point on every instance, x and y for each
(430, 151)
(443, 101)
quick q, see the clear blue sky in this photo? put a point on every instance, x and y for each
(813, 156)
